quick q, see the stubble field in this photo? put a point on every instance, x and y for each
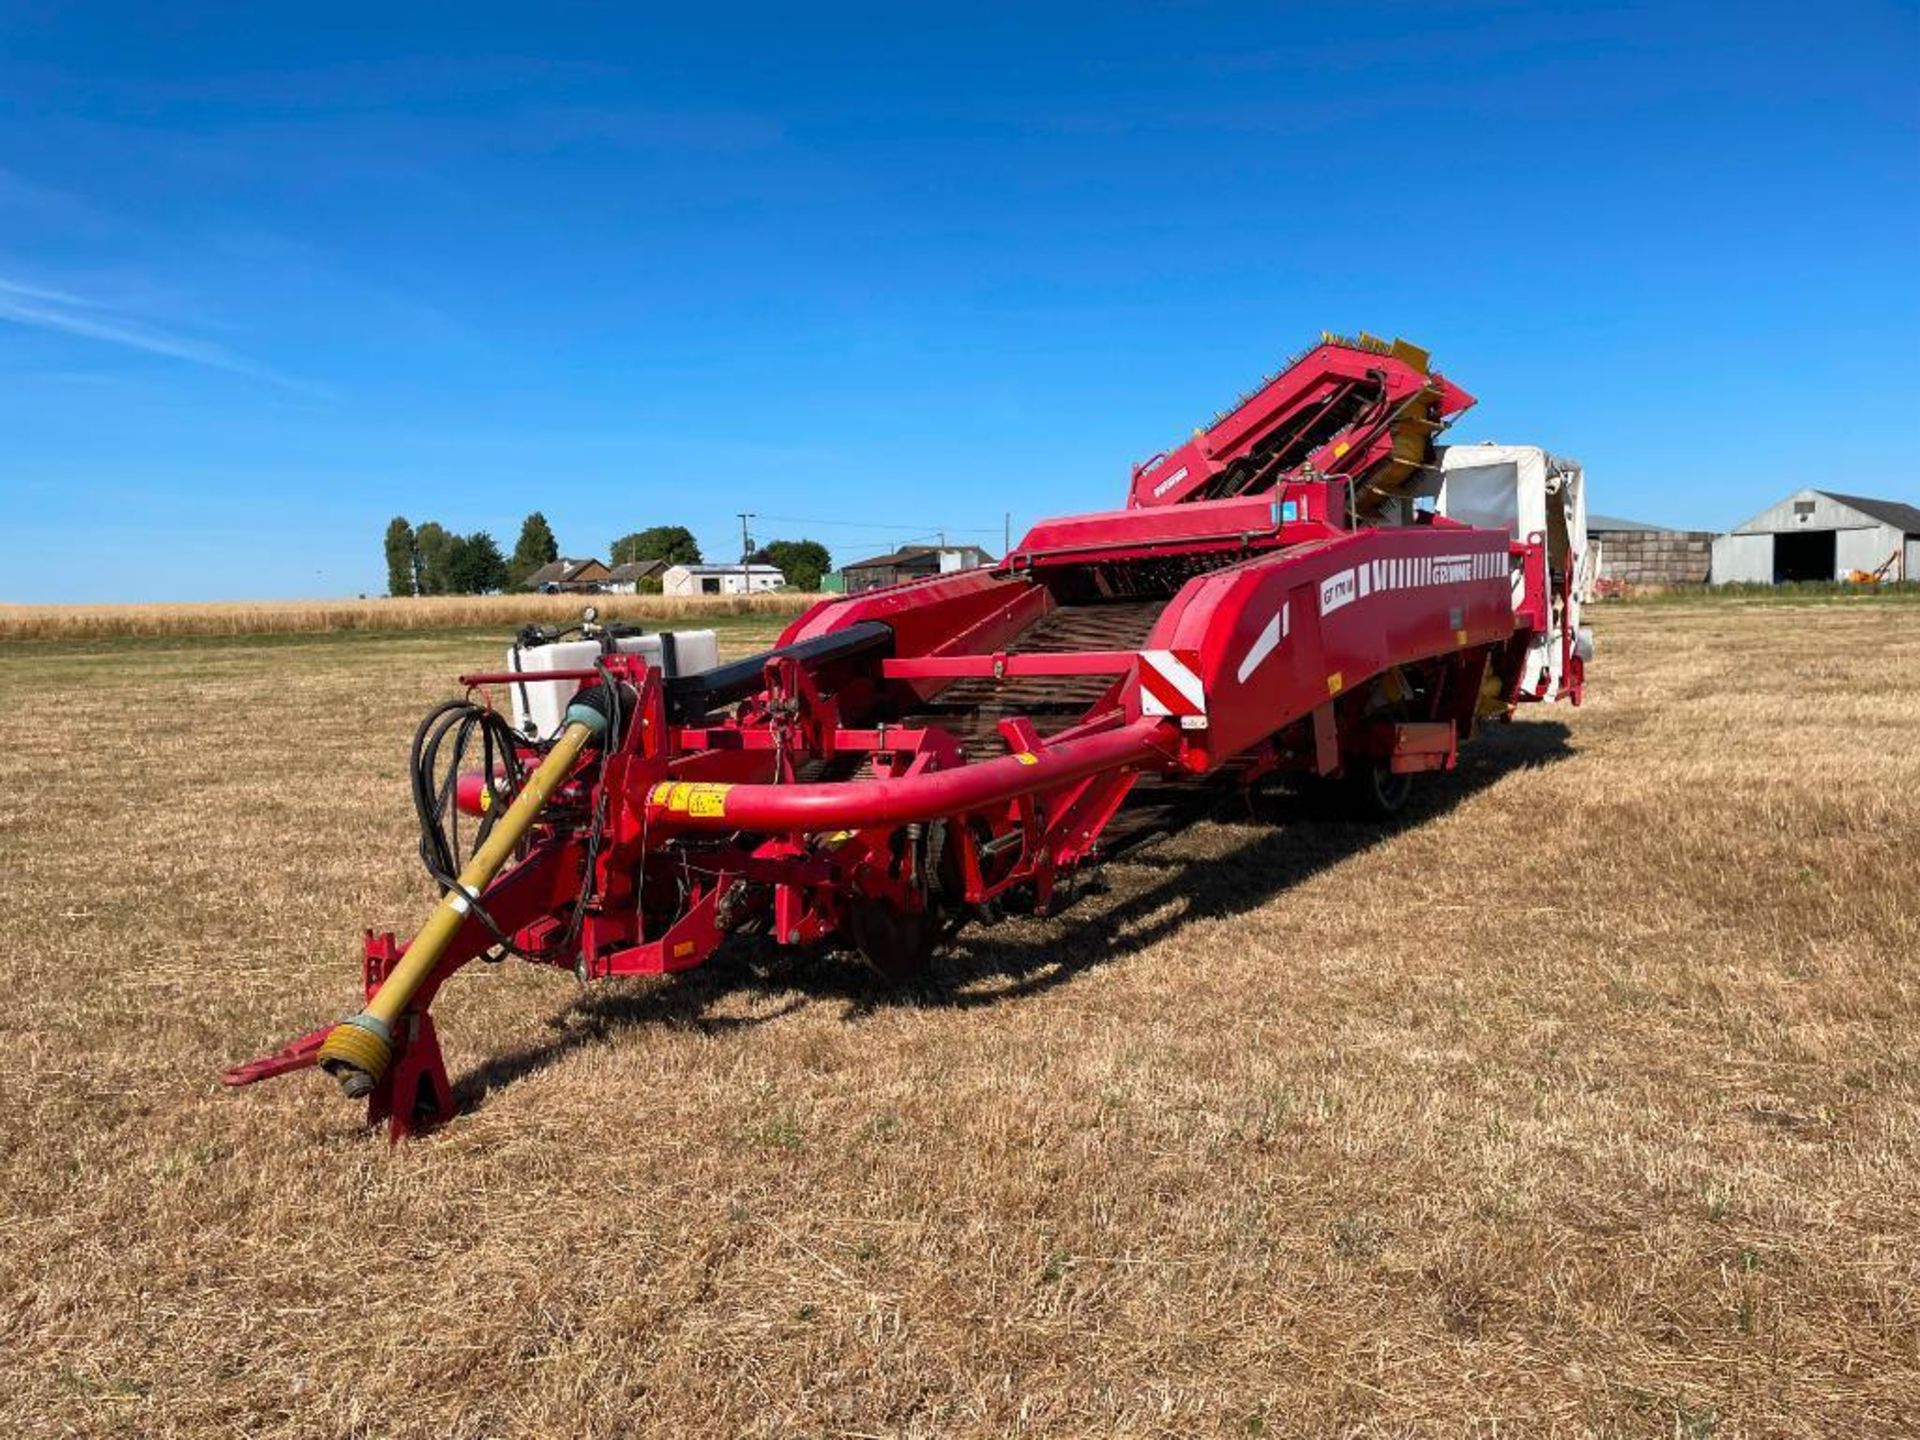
(1585, 1102)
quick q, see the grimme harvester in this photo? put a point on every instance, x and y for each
(1309, 585)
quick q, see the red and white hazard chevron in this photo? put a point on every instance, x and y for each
(1169, 684)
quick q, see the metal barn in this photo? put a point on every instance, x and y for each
(1820, 535)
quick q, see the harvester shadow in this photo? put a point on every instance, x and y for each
(1197, 872)
(680, 1003)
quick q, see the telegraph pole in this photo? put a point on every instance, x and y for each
(746, 549)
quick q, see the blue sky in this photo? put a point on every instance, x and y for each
(271, 275)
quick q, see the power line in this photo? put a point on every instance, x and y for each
(712, 540)
(872, 525)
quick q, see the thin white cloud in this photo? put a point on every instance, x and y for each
(41, 308)
(37, 292)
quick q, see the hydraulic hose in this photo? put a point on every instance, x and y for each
(358, 1050)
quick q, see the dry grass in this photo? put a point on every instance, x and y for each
(1588, 1104)
(439, 612)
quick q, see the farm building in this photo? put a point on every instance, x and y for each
(563, 574)
(720, 579)
(1635, 553)
(911, 562)
(625, 579)
(1820, 535)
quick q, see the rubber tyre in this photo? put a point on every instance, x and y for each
(1371, 791)
(897, 945)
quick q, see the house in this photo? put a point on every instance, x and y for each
(561, 575)
(911, 562)
(1821, 535)
(720, 579)
(1635, 553)
(624, 579)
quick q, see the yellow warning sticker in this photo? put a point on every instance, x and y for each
(1340, 449)
(1026, 757)
(708, 800)
(683, 949)
(486, 798)
(690, 797)
(1334, 682)
(1459, 637)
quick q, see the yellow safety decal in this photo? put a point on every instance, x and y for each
(1334, 682)
(677, 798)
(659, 793)
(486, 798)
(683, 949)
(1459, 637)
(708, 800)
(1341, 449)
(1026, 757)
(836, 837)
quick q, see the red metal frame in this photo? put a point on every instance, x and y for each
(1281, 430)
(1281, 635)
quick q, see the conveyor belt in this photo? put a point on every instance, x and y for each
(972, 709)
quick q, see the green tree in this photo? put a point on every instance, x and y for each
(432, 547)
(536, 547)
(672, 543)
(802, 562)
(475, 565)
(402, 578)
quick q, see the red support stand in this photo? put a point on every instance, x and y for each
(414, 1096)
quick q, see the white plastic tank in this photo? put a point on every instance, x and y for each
(538, 706)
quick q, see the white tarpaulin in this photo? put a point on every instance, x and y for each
(1528, 493)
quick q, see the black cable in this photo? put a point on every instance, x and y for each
(435, 799)
(451, 728)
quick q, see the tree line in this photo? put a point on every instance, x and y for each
(429, 559)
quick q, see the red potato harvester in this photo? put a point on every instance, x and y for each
(1308, 585)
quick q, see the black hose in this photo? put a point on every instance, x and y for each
(441, 746)
(435, 785)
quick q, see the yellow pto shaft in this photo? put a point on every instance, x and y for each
(358, 1050)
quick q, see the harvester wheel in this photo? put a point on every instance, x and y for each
(897, 944)
(1374, 791)
(1369, 789)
